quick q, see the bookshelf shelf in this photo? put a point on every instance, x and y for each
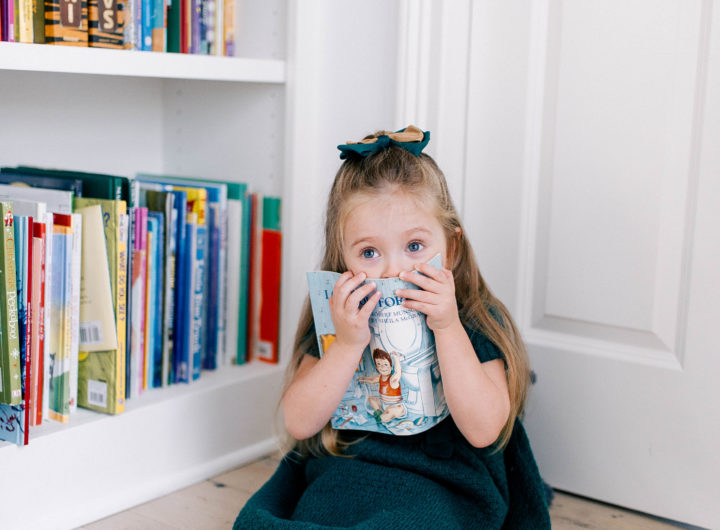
(98, 61)
(166, 439)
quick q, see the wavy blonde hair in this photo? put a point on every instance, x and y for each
(396, 169)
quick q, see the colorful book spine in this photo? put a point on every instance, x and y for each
(229, 28)
(158, 22)
(38, 10)
(24, 17)
(153, 333)
(60, 357)
(235, 242)
(137, 313)
(38, 319)
(20, 230)
(75, 308)
(270, 271)
(253, 275)
(10, 383)
(174, 35)
(106, 23)
(66, 22)
(101, 374)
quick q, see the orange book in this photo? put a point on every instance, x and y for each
(106, 23)
(66, 22)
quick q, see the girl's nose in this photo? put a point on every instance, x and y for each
(393, 268)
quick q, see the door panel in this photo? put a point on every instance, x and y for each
(599, 227)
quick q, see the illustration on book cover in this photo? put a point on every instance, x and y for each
(397, 387)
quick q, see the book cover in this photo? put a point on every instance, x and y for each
(98, 185)
(270, 273)
(101, 374)
(97, 328)
(146, 9)
(397, 387)
(66, 22)
(60, 317)
(10, 374)
(106, 23)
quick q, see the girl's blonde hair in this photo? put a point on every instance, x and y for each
(395, 169)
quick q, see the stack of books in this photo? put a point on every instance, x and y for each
(182, 26)
(110, 286)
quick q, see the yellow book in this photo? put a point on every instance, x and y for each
(101, 374)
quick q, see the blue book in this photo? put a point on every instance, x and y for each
(215, 292)
(156, 221)
(146, 9)
(164, 204)
(198, 235)
(180, 345)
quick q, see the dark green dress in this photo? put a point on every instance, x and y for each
(435, 479)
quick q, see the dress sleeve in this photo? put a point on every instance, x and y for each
(484, 348)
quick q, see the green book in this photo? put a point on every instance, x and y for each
(10, 382)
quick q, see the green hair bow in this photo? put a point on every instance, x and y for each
(410, 138)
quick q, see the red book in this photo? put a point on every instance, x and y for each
(38, 320)
(270, 273)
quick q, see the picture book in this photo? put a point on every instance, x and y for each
(75, 275)
(154, 295)
(10, 373)
(397, 387)
(238, 249)
(60, 316)
(163, 204)
(137, 312)
(101, 374)
(97, 315)
(40, 317)
(57, 201)
(270, 272)
(66, 22)
(106, 23)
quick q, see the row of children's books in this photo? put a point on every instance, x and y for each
(182, 26)
(110, 286)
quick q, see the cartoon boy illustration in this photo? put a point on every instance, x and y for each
(389, 405)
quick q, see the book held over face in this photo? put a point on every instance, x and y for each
(397, 387)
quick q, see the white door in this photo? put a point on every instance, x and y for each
(591, 193)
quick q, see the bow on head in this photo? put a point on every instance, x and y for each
(410, 138)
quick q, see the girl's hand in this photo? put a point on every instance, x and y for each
(350, 321)
(437, 297)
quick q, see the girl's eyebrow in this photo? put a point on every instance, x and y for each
(418, 229)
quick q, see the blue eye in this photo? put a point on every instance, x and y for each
(415, 246)
(368, 253)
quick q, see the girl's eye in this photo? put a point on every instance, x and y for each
(369, 253)
(415, 246)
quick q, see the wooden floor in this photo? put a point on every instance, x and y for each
(214, 503)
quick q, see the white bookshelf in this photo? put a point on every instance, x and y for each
(123, 112)
(98, 61)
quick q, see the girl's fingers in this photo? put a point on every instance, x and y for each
(417, 306)
(354, 299)
(369, 305)
(346, 284)
(418, 296)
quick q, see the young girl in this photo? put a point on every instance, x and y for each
(389, 212)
